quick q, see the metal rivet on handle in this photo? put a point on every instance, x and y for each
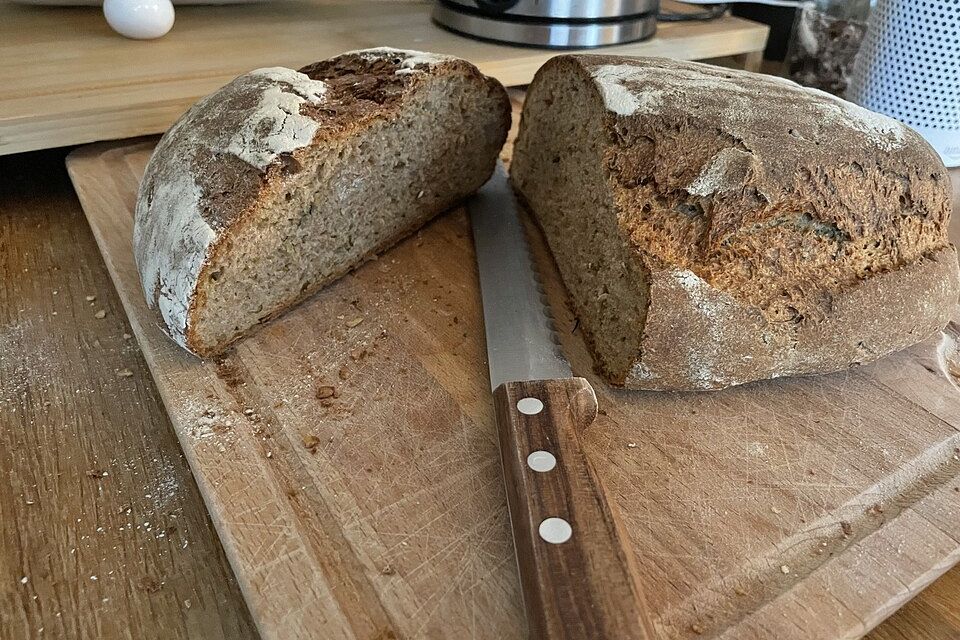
(555, 530)
(529, 406)
(541, 461)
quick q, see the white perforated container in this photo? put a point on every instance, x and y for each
(908, 68)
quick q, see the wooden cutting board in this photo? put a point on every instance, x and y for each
(347, 455)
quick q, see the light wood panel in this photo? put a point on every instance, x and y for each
(66, 78)
(805, 508)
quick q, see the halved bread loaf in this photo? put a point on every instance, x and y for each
(714, 227)
(284, 180)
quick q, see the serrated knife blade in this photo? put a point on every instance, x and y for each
(578, 578)
(521, 344)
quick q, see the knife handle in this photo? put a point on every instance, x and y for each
(578, 577)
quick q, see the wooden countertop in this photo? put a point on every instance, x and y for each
(103, 533)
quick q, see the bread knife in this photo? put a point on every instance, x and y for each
(577, 575)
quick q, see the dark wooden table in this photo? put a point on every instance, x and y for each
(103, 533)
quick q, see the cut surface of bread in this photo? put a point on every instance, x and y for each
(283, 181)
(714, 227)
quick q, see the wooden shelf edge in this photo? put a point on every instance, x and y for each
(107, 106)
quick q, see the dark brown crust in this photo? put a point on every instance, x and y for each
(879, 202)
(228, 184)
(359, 85)
(733, 343)
(363, 90)
(821, 245)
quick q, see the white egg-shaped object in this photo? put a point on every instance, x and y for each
(139, 19)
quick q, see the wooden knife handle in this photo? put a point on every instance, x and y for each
(578, 577)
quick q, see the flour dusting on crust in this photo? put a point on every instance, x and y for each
(727, 170)
(702, 358)
(647, 96)
(276, 126)
(171, 255)
(641, 371)
(619, 98)
(885, 132)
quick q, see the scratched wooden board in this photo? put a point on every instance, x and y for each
(804, 508)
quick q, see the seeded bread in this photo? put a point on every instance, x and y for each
(714, 227)
(284, 180)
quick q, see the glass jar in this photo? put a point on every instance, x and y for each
(825, 39)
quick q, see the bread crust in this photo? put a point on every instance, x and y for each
(697, 337)
(232, 151)
(781, 231)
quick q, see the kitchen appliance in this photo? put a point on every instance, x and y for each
(907, 68)
(551, 23)
(578, 577)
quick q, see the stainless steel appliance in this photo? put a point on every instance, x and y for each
(551, 23)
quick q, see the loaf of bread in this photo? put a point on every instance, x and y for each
(284, 180)
(714, 227)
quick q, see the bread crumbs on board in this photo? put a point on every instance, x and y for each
(311, 442)
(327, 391)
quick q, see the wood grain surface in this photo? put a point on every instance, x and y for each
(37, 203)
(347, 454)
(62, 81)
(103, 533)
(585, 587)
